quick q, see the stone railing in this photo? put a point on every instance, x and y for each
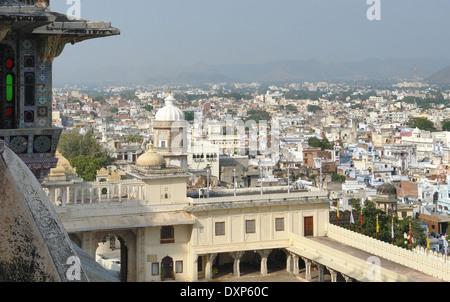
(428, 264)
(261, 198)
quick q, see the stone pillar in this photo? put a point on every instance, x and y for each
(307, 268)
(52, 196)
(347, 278)
(140, 255)
(289, 262)
(209, 260)
(120, 192)
(296, 269)
(264, 254)
(321, 268)
(237, 260)
(195, 268)
(333, 274)
(64, 194)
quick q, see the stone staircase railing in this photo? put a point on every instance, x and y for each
(428, 264)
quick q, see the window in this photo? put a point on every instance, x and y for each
(155, 268)
(167, 234)
(179, 266)
(220, 228)
(279, 224)
(250, 226)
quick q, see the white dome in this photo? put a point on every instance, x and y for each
(169, 112)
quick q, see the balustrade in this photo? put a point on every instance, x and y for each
(429, 262)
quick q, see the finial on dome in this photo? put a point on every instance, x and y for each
(150, 146)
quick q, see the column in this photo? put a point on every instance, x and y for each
(90, 195)
(296, 265)
(264, 254)
(321, 268)
(141, 273)
(209, 261)
(289, 262)
(308, 268)
(333, 274)
(120, 192)
(347, 278)
(195, 268)
(64, 194)
(237, 260)
(52, 196)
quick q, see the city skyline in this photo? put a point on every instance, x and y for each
(177, 34)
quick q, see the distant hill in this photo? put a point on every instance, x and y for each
(280, 71)
(441, 77)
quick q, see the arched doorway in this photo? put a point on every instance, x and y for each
(112, 254)
(276, 260)
(167, 268)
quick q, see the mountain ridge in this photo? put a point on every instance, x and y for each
(276, 71)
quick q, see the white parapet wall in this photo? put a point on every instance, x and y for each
(429, 264)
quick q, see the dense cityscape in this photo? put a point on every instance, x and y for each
(321, 172)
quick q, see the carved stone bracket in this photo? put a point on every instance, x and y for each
(50, 47)
(4, 30)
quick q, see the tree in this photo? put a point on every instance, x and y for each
(316, 143)
(189, 115)
(148, 107)
(446, 125)
(401, 226)
(314, 108)
(84, 153)
(421, 123)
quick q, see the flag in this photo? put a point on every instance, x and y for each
(361, 220)
(351, 217)
(378, 226)
(445, 244)
(410, 235)
(337, 211)
(428, 242)
(392, 230)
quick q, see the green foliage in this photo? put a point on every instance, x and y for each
(189, 115)
(289, 107)
(421, 123)
(128, 95)
(401, 226)
(148, 107)
(314, 108)
(323, 143)
(114, 110)
(337, 177)
(257, 115)
(87, 166)
(133, 138)
(446, 125)
(84, 153)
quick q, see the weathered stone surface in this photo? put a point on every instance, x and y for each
(33, 243)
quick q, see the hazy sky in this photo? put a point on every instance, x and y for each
(183, 32)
